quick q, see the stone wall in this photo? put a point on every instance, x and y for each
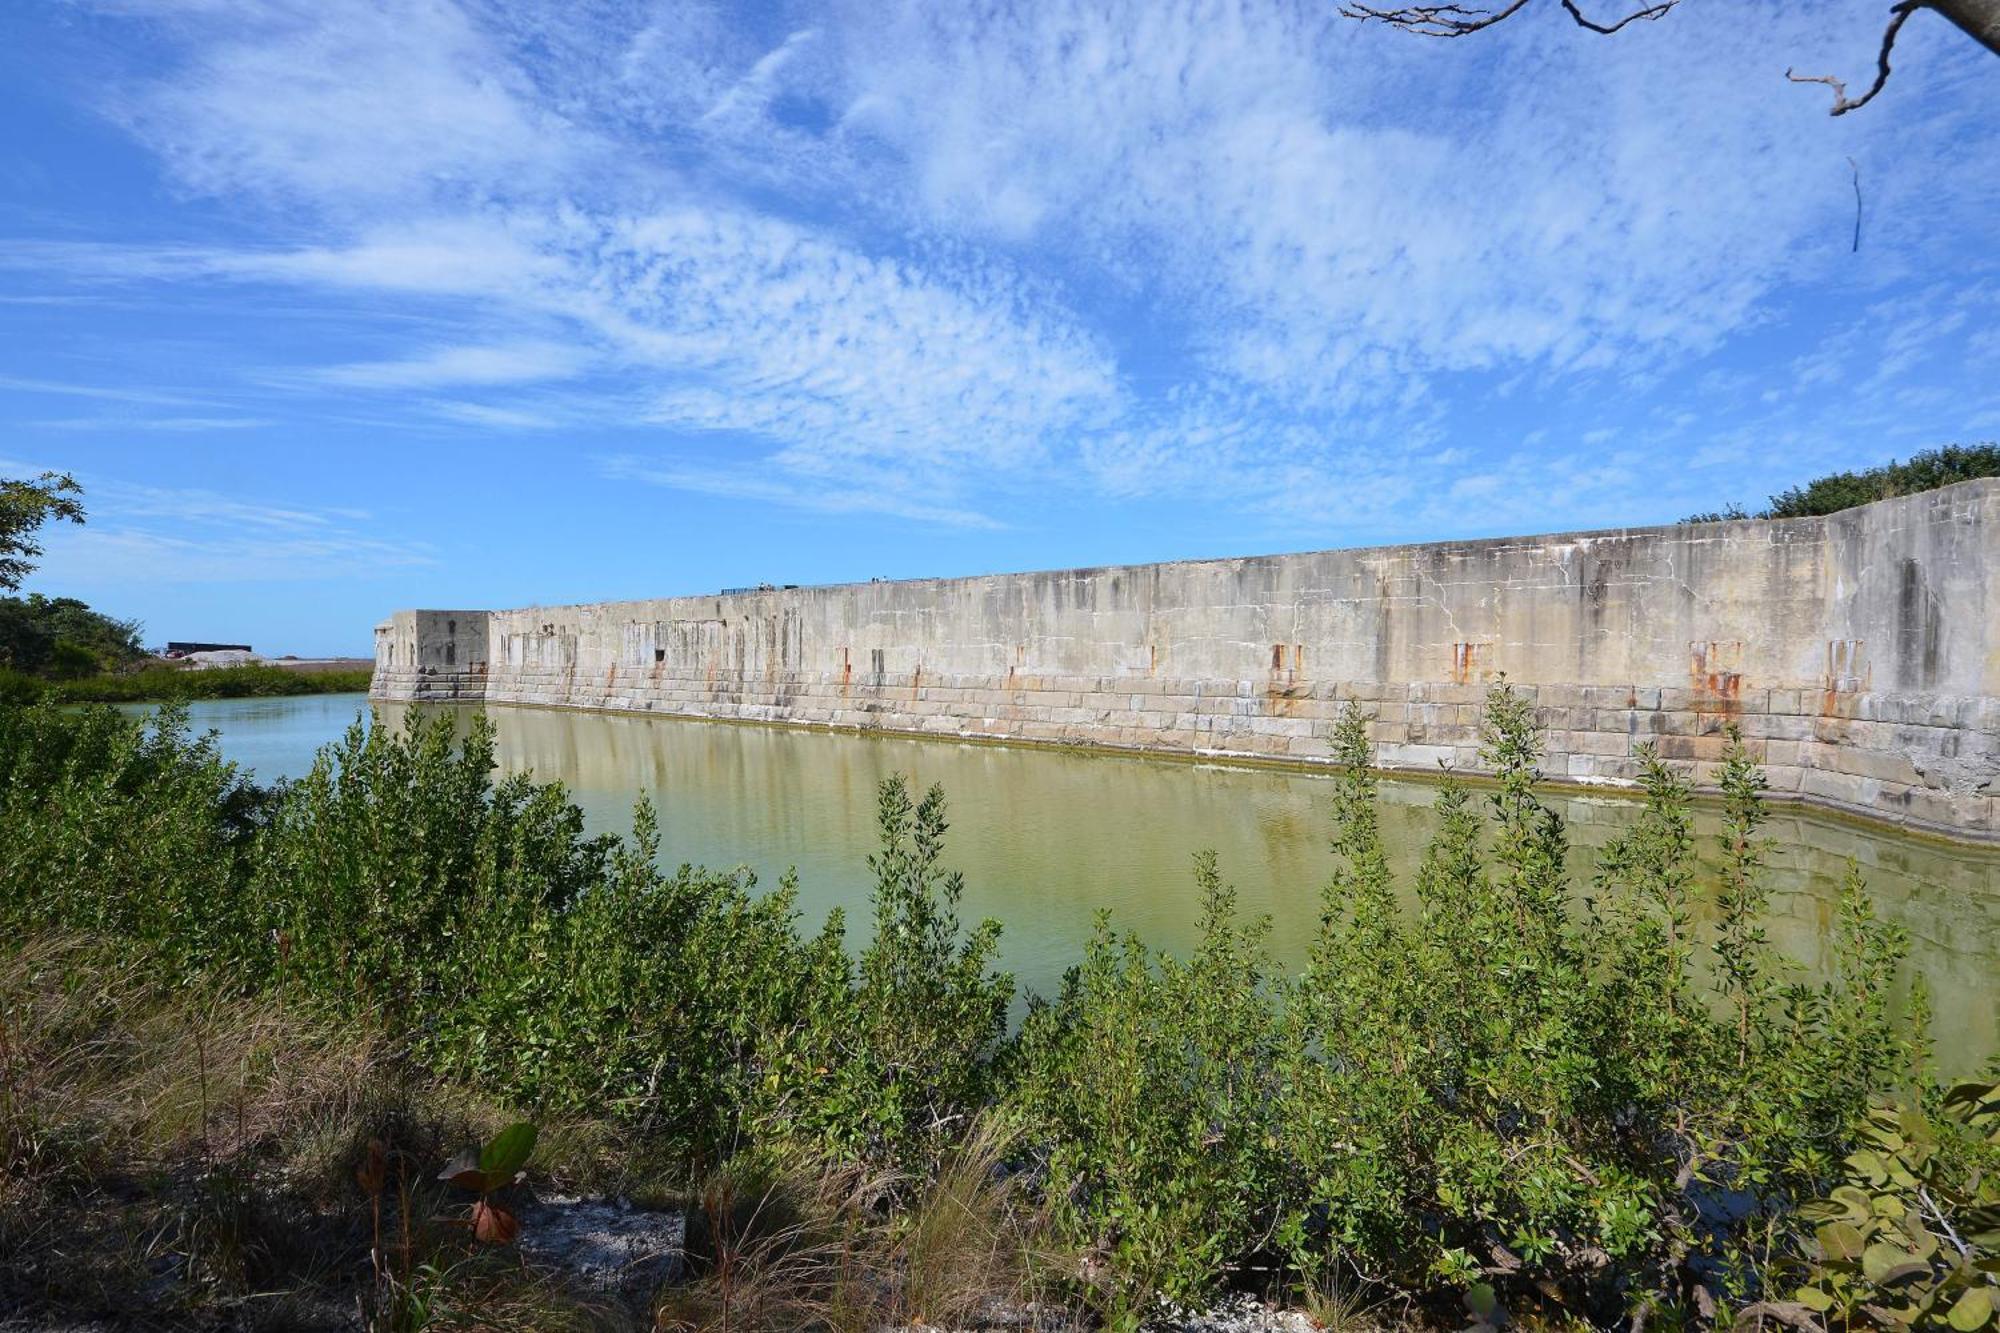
(431, 655)
(1859, 653)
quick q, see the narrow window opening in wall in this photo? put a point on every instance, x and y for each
(451, 654)
(451, 627)
(659, 654)
(875, 661)
(1277, 657)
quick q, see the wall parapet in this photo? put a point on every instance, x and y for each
(1858, 653)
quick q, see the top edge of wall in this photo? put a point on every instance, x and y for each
(1957, 490)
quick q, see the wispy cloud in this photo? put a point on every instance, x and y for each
(1242, 253)
(109, 393)
(170, 534)
(175, 425)
(142, 555)
(445, 367)
(825, 499)
(486, 414)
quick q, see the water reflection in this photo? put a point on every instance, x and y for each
(1046, 839)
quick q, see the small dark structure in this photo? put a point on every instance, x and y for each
(176, 648)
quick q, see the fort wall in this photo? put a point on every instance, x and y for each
(1859, 653)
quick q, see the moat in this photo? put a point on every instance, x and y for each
(1046, 838)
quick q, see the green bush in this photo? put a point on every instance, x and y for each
(253, 680)
(129, 832)
(1524, 1092)
(1493, 1085)
(1150, 1090)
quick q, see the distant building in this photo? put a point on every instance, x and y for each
(222, 657)
(176, 648)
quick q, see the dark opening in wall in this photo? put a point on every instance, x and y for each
(451, 627)
(1277, 657)
(659, 654)
(451, 654)
(875, 660)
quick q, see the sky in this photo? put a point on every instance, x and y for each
(336, 306)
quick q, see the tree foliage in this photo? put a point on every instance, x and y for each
(24, 507)
(62, 638)
(1925, 471)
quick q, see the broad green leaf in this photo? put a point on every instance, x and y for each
(1879, 1258)
(1841, 1240)
(507, 1153)
(1854, 1200)
(1813, 1298)
(1974, 1310)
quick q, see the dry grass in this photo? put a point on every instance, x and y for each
(795, 1244)
(1341, 1300)
(172, 1161)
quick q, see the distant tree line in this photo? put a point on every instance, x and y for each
(1844, 490)
(63, 639)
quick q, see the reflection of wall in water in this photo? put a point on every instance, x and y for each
(1046, 838)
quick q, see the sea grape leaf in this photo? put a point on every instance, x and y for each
(507, 1153)
(1841, 1240)
(1972, 1311)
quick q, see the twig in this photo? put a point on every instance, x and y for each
(1842, 104)
(1460, 20)
(1856, 170)
(1434, 20)
(1930, 1205)
(1649, 12)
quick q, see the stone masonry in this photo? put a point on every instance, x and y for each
(1859, 653)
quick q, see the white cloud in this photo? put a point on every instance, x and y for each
(835, 499)
(176, 425)
(487, 414)
(1227, 249)
(169, 534)
(142, 555)
(356, 104)
(506, 363)
(1346, 204)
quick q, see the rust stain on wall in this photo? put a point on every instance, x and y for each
(1470, 662)
(1713, 675)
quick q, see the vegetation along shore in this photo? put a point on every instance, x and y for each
(244, 1031)
(163, 683)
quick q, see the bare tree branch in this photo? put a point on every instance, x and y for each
(1649, 12)
(1842, 104)
(1434, 20)
(1459, 20)
(1978, 19)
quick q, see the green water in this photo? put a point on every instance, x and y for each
(1046, 839)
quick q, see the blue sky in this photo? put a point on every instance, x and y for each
(337, 306)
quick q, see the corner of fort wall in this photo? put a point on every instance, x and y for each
(1859, 654)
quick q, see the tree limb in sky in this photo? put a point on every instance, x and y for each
(24, 507)
(1978, 19)
(1459, 20)
(1842, 103)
